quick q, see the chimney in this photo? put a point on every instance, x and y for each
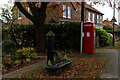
(90, 4)
(107, 19)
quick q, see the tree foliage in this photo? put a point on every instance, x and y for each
(7, 18)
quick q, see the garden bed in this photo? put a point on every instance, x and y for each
(19, 58)
(80, 68)
(17, 67)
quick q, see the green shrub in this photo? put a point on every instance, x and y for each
(2, 67)
(49, 63)
(68, 51)
(25, 52)
(8, 46)
(65, 57)
(7, 61)
(104, 38)
(17, 62)
(34, 55)
(28, 60)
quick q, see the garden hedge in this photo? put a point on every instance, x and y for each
(67, 35)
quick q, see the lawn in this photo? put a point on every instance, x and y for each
(80, 68)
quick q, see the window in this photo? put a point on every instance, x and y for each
(93, 17)
(97, 18)
(28, 9)
(88, 16)
(69, 12)
(19, 15)
(100, 19)
(64, 9)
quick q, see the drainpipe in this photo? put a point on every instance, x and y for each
(82, 25)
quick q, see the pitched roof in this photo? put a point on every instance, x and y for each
(86, 6)
(110, 22)
(53, 3)
(93, 9)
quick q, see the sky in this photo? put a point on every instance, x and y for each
(106, 10)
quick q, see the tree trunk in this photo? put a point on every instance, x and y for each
(40, 30)
(40, 38)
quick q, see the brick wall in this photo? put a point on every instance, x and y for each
(56, 14)
(108, 23)
(23, 19)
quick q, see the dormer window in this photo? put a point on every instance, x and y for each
(64, 11)
(69, 12)
(19, 14)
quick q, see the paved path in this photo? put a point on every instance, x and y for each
(111, 70)
(23, 70)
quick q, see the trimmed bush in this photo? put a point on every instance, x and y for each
(104, 38)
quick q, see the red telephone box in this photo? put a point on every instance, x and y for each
(89, 38)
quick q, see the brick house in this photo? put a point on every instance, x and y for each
(63, 12)
(109, 23)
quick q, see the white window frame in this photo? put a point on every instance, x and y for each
(97, 18)
(19, 17)
(28, 9)
(64, 13)
(89, 16)
(69, 12)
(93, 17)
(101, 19)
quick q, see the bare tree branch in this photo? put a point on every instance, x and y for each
(22, 9)
(43, 5)
(34, 9)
